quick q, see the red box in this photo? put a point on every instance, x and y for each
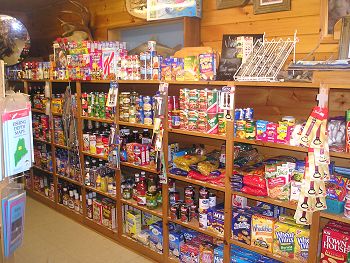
(335, 245)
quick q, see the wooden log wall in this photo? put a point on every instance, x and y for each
(305, 17)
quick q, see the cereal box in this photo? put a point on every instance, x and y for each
(133, 222)
(261, 127)
(283, 240)
(271, 132)
(262, 232)
(191, 68)
(207, 66)
(175, 240)
(241, 227)
(335, 246)
(301, 244)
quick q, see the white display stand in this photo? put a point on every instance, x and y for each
(5, 182)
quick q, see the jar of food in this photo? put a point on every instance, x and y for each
(151, 200)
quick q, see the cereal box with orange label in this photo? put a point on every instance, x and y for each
(283, 241)
(262, 232)
(335, 245)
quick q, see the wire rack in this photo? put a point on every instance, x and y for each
(266, 60)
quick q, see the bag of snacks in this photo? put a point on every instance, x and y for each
(185, 161)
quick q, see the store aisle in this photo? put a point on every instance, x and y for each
(53, 238)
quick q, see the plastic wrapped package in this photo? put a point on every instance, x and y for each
(185, 161)
(336, 134)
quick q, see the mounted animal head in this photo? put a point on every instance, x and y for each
(80, 28)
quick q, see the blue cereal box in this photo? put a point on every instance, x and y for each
(156, 237)
(175, 239)
(241, 227)
(219, 254)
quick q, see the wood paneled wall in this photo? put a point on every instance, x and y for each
(305, 17)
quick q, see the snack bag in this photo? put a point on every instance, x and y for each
(283, 240)
(262, 232)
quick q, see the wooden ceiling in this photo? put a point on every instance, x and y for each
(26, 6)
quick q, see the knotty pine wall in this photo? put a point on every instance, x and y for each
(305, 17)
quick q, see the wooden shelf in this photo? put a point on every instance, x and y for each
(197, 182)
(41, 198)
(69, 180)
(101, 192)
(135, 245)
(40, 140)
(136, 125)
(133, 203)
(288, 147)
(38, 111)
(41, 169)
(97, 119)
(194, 224)
(71, 213)
(36, 80)
(61, 146)
(102, 157)
(139, 167)
(100, 228)
(337, 217)
(343, 155)
(267, 199)
(198, 134)
(272, 145)
(263, 252)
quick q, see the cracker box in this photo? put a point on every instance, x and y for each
(97, 211)
(239, 201)
(191, 68)
(108, 214)
(262, 232)
(207, 67)
(283, 240)
(335, 246)
(217, 224)
(206, 252)
(175, 240)
(270, 209)
(133, 222)
(301, 244)
(241, 227)
(156, 237)
(189, 252)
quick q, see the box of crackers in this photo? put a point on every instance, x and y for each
(262, 232)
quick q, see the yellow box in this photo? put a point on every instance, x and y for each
(262, 232)
(302, 241)
(133, 222)
(284, 239)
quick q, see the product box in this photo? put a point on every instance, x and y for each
(217, 224)
(133, 222)
(175, 240)
(270, 209)
(108, 214)
(189, 252)
(347, 131)
(301, 244)
(219, 254)
(262, 232)
(206, 252)
(156, 237)
(207, 66)
(261, 127)
(191, 68)
(335, 246)
(239, 201)
(149, 219)
(241, 227)
(166, 69)
(271, 132)
(284, 238)
(97, 211)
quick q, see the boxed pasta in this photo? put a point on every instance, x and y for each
(262, 232)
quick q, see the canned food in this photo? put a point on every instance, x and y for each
(212, 200)
(203, 220)
(175, 211)
(189, 195)
(185, 213)
(174, 197)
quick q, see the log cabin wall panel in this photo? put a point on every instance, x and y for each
(304, 16)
